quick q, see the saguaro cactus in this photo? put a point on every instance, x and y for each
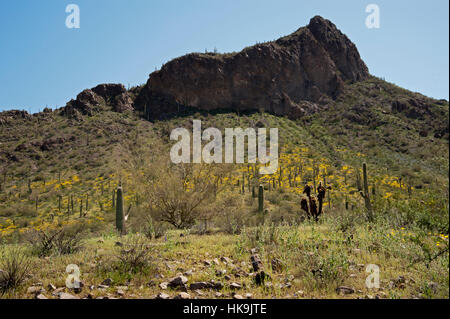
(261, 199)
(120, 216)
(365, 193)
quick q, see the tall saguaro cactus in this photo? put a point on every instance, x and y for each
(120, 217)
(261, 199)
(365, 193)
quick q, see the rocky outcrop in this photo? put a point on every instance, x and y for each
(296, 75)
(92, 100)
(7, 117)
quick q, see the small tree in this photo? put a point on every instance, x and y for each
(180, 191)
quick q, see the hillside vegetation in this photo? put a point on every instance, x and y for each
(59, 177)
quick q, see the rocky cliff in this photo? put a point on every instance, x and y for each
(294, 75)
(91, 100)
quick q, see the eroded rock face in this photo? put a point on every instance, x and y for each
(91, 100)
(293, 76)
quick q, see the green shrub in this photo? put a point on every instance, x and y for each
(15, 266)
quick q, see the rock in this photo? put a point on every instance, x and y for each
(51, 287)
(108, 90)
(199, 285)
(183, 295)
(227, 277)
(286, 70)
(340, 49)
(91, 100)
(151, 283)
(399, 282)
(236, 296)
(119, 244)
(238, 272)
(122, 103)
(216, 262)
(299, 293)
(35, 290)
(218, 295)
(178, 281)
(87, 102)
(277, 265)
(120, 292)
(162, 295)
(235, 285)
(102, 287)
(248, 296)
(163, 285)
(58, 291)
(216, 285)
(107, 282)
(226, 260)
(64, 295)
(345, 290)
(199, 292)
(41, 296)
(207, 263)
(188, 273)
(220, 273)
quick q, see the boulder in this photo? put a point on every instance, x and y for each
(178, 281)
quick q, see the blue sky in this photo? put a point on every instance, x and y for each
(43, 63)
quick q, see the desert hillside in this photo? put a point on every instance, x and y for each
(92, 184)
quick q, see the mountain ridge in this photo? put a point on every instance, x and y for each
(294, 75)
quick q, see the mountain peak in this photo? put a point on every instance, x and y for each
(292, 76)
(343, 51)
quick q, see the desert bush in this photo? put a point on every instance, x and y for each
(154, 229)
(178, 195)
(329, 269)
(60, 241)
(231, 215)
(15, 267)
(135, 254)
(347, 223)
